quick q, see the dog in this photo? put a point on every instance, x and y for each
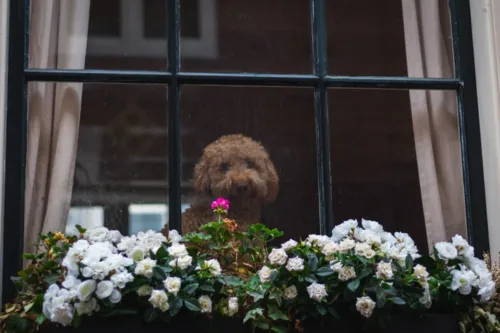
(237, 168)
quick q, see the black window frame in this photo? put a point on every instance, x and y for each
(19, 75)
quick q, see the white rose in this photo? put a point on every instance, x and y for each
(318, 240)
(177, 250)
(138, 253)
(462, 280)
(446, 251)
(317, 291)
(85, 289)
(182, 263)
(213, 266)
(388, 238)
(97, 235)
(370, 237)
(97, 251)
(421, 274)
(365, 306)
(144, 290)
(99, 269)
(277, 257)
(233, 306)
(364, 250)
(70, 282)
(205, 304)
(174, 237)
(159, 300)
(151, 240)
(86, 308)
(104, 289)
(115, 296)
(127, 243)
(347, 273)
(62, 314)
(51, 292)
(426, 299)
(121, 279)
(342, 230)
(115, 236)
(118, 262)
(295, 264)
(265, 274)
(172, 284)
(384, 271)
(288, 245)
(346, 245)
(487, 292)
(290, 292)
(372, 226)
(462, 246)
(145, 267)
(330, 248)
(478, 266)
(336, 266)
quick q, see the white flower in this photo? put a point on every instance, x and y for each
(364, 250)
(127, 243)
(159, 300)
(336, 266)
(462, 246)
(138, 253)
(346, 245)
(277, 257)
(181, 263)
(330, 248)
(115, 296)
(86, 289)
(177, 250)
(388, 238)
(118, 262)
(446, 251)
(205, 304)
(384, 271)
(97, 235)
(151, 240)
(99, 270)
(213, 266)
(172, 284)
(318, 240)
(426, 299)
(290, 292)
(478, 266)
(86, 308)
(295, 264)
(144, 290)
(265, 274)
(317, 291)
(487, 291)
(421, 273)
(97, 251)
(365, 306)
(289, 244)
(372, 226)
(62, 314)
(70, 282)
(342, 230)
(145, 267)
(104, 289)
(174, 237)
(347, 273)
(114, 236)
(232, 306)
(462, 280)
(51, 292)
(121, 279)
(369, 237)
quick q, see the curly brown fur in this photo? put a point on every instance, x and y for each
(237, 168)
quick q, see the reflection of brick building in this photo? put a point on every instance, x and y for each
(373, 160)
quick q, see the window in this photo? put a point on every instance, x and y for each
(362, 115)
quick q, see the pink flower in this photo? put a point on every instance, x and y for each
(220, 203)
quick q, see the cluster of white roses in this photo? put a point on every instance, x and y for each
(471, 273)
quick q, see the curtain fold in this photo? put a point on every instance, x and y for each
(429, 54)
(58, 39)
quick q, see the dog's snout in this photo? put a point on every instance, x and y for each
(242, 188)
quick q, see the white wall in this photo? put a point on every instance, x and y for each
(4, 15)
(486, 33)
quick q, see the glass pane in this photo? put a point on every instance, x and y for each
(121, 162)
(87, 217)
(96, 34)
(282, 120)
(396, 160)
(248, 36)
(389, 38)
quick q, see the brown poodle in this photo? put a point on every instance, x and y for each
(237, 168)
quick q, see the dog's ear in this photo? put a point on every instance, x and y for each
(272, 182)
(201, 177)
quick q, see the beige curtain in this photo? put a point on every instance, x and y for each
(58, 39)
(435, 123)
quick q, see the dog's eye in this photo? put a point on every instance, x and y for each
(224, 167)
(249, 164)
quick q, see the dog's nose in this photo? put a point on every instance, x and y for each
(242, 188)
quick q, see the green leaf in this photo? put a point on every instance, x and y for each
(397, 300)
(409, 262)
(324, 271)
(279, 328)
(207, 287)
(333, 312)
(261, 323)
(191, 288)
(312, 262)
(150, 314)
(276, 294)
(159, 273)
(353, 285)
(29, 256)
(311, 279)
(175, 306)
(80, 229)
(232, 281)
(51, 279)
(252, 314)
(192, 305)
(77, 320)
(256, 295)
(40, 319)
(28, 306)
(365, 272)
(275, 313)
(16, 324)
(162, 252)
